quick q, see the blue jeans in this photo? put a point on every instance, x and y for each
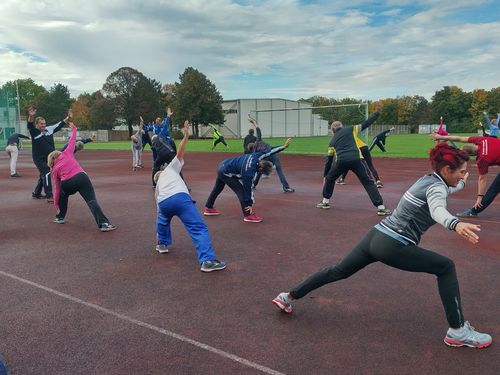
(182, 205)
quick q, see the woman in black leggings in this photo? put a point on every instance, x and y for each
(394, 242)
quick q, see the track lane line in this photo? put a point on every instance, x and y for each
(185, 339)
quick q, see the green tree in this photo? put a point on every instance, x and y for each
(197, 99)
(54, 104)
(101, 112)
(478, 105)
(28, 91)
(493, 101)
(454, 105)
(132, 95)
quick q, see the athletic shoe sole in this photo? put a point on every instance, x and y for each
(211, 213)
(457, 344)
(286, 309)
(107, 229)
(252, 221)
(58, 222)
(162, 251)
(212, 269)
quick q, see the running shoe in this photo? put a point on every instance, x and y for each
(283, 303)
(107, 227)
(50, 199)
(323, 205)
(252, 219)
(38, 196)
(340, 181)
(211, 212)
(212, 265)
(383, 212)
(379, 184)
(467, 213)
(15, 175)
(58, 220)
(467, 336)
(288, 190)
(161, 248)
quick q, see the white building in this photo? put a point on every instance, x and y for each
(276, 118)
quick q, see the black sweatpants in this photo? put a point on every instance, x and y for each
(80, 183)
(368, 159)
(379, 247)
(490, 195)
(219, 140)
(44, 180)
(234, 183)
(361, 170)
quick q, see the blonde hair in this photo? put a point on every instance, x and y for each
(79, 146)
(52, 158)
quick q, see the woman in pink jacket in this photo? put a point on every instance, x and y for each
(69, 178)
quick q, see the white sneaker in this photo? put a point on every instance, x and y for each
(467, 336)
(283, 303)
(162, 249)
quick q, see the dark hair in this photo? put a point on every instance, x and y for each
(251, 131)
(265, 167)
(444, 154)
(250, 146)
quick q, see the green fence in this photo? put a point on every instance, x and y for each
(9, 120)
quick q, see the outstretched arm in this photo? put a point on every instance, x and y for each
(275, 150)
(72, 140)
(182, 145)
(165, 126)
(453, 138)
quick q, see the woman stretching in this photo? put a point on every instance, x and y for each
(394, 242)
(69, 178)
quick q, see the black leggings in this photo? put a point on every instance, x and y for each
(379, 247)
(490, 195)
(80, 183)
(219, 140)
(235, 184)
(361, 170)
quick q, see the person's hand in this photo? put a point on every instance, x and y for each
(435, 136)
(478, 203)
(142, 120)
(70, 114)
(467, 231)
(169, 112)
(287, 142)
(186, 128)
(93, 137)
(252, 121)
(31, 111)
(378, 106)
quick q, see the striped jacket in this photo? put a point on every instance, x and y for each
(423, 205)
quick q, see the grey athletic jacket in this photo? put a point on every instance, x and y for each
(423, 204)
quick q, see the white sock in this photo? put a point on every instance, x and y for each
(326, 200)
(381, 207)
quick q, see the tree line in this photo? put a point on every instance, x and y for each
(127, 94)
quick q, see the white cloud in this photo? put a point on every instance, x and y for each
(289, 49)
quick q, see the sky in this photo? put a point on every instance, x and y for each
(288, 49)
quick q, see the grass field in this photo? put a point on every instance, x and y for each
(397, 146)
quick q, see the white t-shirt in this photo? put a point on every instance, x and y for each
(170, 181)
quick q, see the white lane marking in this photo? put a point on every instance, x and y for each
(139, 323)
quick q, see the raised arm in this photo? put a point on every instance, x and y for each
(165, 125)
(72, 140)
(277, 149)
(23, 136)
(370, 120)
(182, 144)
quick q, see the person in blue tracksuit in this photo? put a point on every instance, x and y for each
(173, 199)
(238, 173)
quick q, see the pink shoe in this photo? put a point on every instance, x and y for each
(252, 219)
(211, 212)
